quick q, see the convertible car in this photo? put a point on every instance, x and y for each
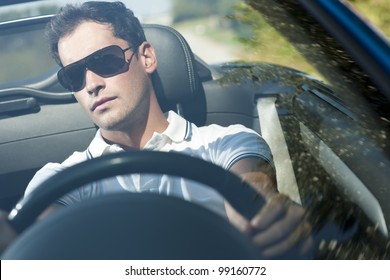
(327, 125)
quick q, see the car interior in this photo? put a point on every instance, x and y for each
(42, 123)
(179, 87)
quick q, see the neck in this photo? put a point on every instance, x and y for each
(136, 134)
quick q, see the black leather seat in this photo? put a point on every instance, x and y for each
(176, 81)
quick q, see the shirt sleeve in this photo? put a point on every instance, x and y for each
(42, 175)
(52, 169)
(238, 142)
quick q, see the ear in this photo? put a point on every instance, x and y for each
(147, 57)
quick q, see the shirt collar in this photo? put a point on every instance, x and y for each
(178, 130)
(99, 146)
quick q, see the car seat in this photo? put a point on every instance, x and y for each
(176, 81)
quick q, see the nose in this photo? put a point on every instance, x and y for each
(93, 82)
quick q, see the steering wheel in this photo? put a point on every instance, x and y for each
(134, 226)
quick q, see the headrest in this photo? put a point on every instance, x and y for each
(176, 81)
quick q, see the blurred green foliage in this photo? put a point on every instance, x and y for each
(262, 42)
(376, 11)
(266, 44)
(193, 9)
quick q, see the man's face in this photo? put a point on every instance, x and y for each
(116, 102)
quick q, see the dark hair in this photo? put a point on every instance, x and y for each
(122, 20)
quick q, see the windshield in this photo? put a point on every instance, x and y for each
(312, 89)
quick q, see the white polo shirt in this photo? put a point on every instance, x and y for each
(222, 146)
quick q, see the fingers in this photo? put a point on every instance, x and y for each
(280, 228)
(7, 234)
(296, 245)
(274, 209)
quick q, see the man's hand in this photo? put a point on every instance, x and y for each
(280, 229)
(7, 234)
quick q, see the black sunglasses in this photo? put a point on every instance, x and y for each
(105, 62)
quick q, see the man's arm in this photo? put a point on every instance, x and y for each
(8, 234)
(49, 210)
(279, 229)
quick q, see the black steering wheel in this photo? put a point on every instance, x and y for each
(134, 226)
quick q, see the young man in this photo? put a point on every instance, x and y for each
(120, 99)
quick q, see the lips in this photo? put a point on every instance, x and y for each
(100, 102)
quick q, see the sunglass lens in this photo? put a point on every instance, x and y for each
(109, 61)
(72, 76)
